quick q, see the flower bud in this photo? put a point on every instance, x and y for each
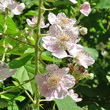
(10, 47)
(90, 76)
(83, 30)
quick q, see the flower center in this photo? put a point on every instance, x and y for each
(64, 20)
(53, 81)
(64, 38)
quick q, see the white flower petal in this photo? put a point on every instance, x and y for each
(30, 23)
(73, 1)
(52, 18)
(74, 96)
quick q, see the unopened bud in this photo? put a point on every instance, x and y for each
(83, 31)
(16, 37)
(27, 30)
(10, 47)
(91, 76)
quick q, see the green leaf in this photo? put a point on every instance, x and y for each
(26, 72)
(67, 104)
(11, 27)
(46, 56)
(11, 87)
(15, 106)
(20, 98)
(92, 52)
(7, 96)
(3, 103)
(103, 4)
(32, 13)
(29, 50)
(19, 62)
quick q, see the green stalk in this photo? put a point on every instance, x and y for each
(37, 95)
(37, 37)
(4, 30)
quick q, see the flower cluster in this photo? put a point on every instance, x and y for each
(13, 6)
(62, 40)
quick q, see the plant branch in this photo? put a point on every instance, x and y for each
(20, 40)
(16, 86)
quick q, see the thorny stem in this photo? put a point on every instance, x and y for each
(37, 96)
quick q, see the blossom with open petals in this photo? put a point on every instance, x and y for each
(74, 96)
(61, 20)
(60, 40)
(55, 83)
(85, 8)
(14, 7)
(33, 22)
(5, 71)
(83, 57)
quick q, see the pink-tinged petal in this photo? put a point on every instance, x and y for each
(17, 10)
(30, 23)
(52, 18)
(72, 21)
(51, 94)
(63, 70)
(50, 44)
(51, 68)
(39, 78)
(85, 8)
(2, 8)
(11, 6)
(5, 71)
(61, 93)
(51, 47)
(21, 7)
(43, 88)
(61, 15)
(43, 25)
(55, 30)
(74, 96)
(73, 32)
(73, 1)
(86, 61)
(68, 81)
(75, 50)
(49, 40)
(61, 53)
